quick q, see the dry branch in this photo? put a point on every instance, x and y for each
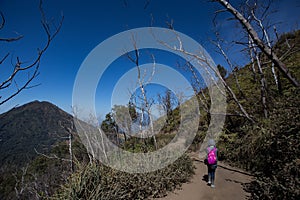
(263, 47)
(203, 59)
(7, 83)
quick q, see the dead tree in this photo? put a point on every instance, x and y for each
(21, 184)
(266, 36)
(224, 54)
(197, 86)
(31, 69)
(203, 61)
(258, 41)
(252, 60)
(253, 17)
(263, 83)
(146, 102)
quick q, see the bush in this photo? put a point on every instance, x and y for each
(96, 181)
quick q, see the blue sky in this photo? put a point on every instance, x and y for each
(88, 23)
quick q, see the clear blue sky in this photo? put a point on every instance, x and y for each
(87, 23)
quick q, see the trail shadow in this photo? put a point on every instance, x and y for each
(205, 178)
(235, 170)
(234, 181)
(227, 168)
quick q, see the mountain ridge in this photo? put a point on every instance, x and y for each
(35, 125)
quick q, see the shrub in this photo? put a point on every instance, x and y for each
(96, 181)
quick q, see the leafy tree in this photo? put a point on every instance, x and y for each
(169, 102)
(123, 119)
(222, 70)
(109, 125)
(132, 111)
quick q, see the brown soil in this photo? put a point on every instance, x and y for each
(228, 184)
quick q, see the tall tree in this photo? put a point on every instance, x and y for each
(109, 125)
(169, 102)
(143, 102)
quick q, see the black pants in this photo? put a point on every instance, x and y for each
(211, 173)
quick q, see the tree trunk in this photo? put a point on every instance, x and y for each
(264, 48)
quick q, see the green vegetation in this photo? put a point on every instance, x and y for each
(37, 125)
(49, 169)
(42, 176)
(95, 181)
(269, 148)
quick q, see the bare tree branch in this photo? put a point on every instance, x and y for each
(203, 100)
(264, 48)
(223, 53)
(263, 88)
(147, 4)
(203, 59)
(20, 186)
(2, 20)
(34, 65)
(51, 157)
(12, 39)
(4, 58)
(265, 34)
(146, 103)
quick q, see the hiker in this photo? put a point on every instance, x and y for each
(211, 161)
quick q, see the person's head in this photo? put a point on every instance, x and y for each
(211, 142)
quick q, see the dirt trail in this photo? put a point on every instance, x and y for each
(228, 184)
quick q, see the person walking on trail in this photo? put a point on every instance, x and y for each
(211, 161)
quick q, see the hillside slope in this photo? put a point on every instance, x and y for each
(36, 125)
(39, 126)
(270, 148)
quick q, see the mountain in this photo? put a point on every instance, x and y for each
(269, 148)
(36, 125)
(34, 150)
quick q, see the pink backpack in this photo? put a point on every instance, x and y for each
(212, 157)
